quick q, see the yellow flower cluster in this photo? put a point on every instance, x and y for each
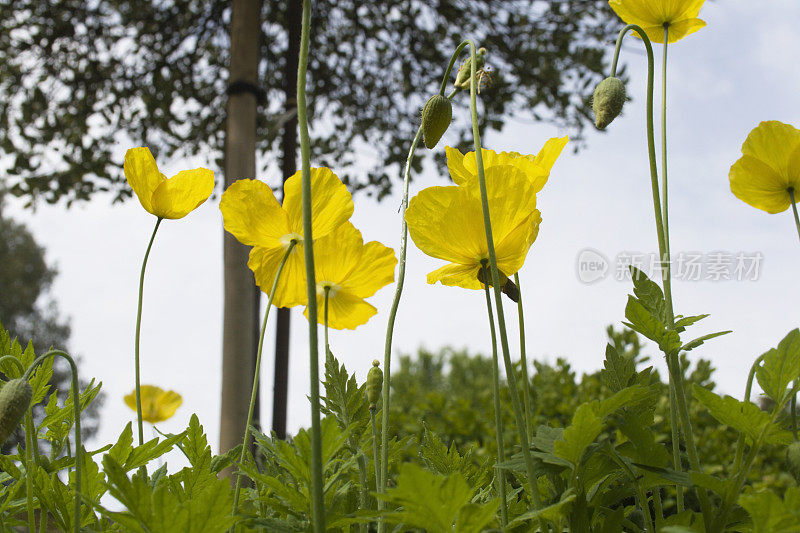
(350, 269)
(447, 222)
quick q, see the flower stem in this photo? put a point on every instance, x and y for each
(526, 393)
(136, 339)
(401, 276)
(794, 210)
(498, 421)
(317, 498)
(737, 462)
(501, 321)
(29, 468)
(673, 362)
(375, 447)
(327, 296)
(257, 373)
(77, 415)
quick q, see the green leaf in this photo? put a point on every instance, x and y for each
(682, 322)
(770, 514)
(618, 370)
(746, 418)
(432, 501)
(473, 517)
(642, 321)
(691, 345)
(628, 397)
(585, 427)
(781, 366)
(553, 512)
(649, 294)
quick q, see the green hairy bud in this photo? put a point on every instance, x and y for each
(465, 70)
(436, 117)
(609, 96)
(374, 384)
(15, 398)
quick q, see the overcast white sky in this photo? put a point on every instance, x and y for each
(723, 80)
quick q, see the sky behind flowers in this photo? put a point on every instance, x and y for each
(722, 81)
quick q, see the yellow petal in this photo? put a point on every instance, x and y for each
(373, 271)
(549, 153)
(341, 258)
(512, 250)
(756, 183)
(182, 193)
(446, 222)
(331, 203)
(773, 143)
(680, 29)
(457, 275)
(167, 404)
(337, 253)
(455, 164)
(511, 199)
(291, 289)
(143, 176)
(345, 311)
(251, 213)
(651, 15)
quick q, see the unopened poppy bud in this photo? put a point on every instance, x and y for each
(15, 398)
(374, 384)
(436, 117)
(465, 70)
(509, 288)
(793, 459)
(609, 97)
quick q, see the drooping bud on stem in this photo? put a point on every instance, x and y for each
(465, 70)
(609, 97)
(374, 385)
(15, 398)
(509, 288)
(436, 117)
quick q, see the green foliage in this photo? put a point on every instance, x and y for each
(600, 446)
(436, 502)
(781, 366)
(770, 514)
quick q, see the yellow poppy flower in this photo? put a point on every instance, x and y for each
(447, 223)
(464, 167)
(171, 198)
(157, 404)
(352, 271)
(652, 15)
(769, 167)
(252, 214)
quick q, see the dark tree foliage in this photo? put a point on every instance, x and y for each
(82, 78)
(29, 313)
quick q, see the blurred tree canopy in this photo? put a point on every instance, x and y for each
(29, 313)
(82, 78)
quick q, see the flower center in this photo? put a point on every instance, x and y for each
(333, 288)
(287, 239)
